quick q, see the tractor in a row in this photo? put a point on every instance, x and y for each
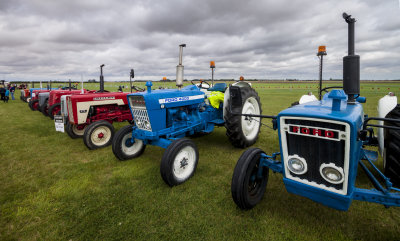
(91, 115)
(164, 117)
(322, 146)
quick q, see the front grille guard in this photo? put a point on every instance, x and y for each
(141, 118)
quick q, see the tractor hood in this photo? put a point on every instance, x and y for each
(325, 109)
(168, 98)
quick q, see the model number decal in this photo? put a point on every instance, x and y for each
(104, 98)
(178, 99)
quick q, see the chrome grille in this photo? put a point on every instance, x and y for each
(70, 113)
(308, 138)
(141, 119)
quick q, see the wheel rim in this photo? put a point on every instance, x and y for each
(254, 183)
(250, 126)
(78, 130)
(184, 163)
(101, 135)
(128, 148)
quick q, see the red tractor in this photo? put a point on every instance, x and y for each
(34, 100)
(25, 95)
(54, 102)
(91, 115)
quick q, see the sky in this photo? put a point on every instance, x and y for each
(263, 39)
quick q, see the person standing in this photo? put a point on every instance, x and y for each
(12, 90)
(6, 96)
(2, 92)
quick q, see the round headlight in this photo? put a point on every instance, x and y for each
(297, 165)
(331, 173)
(147, 124)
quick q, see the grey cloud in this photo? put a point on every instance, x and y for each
(258, 39)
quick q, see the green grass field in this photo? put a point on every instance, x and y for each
(53, 188)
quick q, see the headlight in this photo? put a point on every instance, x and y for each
(297, 165)
(147, 124)
(331, 173)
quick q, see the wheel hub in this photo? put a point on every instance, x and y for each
(100, 135)
(184, 162)
(129, 142)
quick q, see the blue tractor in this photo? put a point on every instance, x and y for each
(164, 117)
(322, 145)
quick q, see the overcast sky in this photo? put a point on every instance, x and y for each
(264, 39)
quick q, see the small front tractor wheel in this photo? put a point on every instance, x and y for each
(75, 131)
(243, 131)
(44, 108)
(247, 187)
(54, 109)
(179, 162)
(98, 134)
(30, 105)
(124, 146)
(391, 156)
(34, 104)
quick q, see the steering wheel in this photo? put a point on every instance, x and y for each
(201, 84)
(137, 88)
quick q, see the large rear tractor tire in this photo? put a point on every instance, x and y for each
(179, 162)
(247, 187)
(34, 104)
(391, 156)
(75, 131)
(243, 131)
(44, 108)
(124, 147)
(54, 109)
(98, 134)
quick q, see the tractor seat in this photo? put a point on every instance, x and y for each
(218, 87)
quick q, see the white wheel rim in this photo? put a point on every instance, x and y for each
(131, 150)
(101, 135)
(184, 163)
(250, 125)
(77, 131)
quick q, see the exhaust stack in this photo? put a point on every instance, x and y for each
(179, 68)
(351, 64)
(101, 78)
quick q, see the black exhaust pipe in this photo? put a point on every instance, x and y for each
(101, 78)
(69, 84)
(351, 64)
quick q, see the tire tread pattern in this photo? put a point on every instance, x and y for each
(233, 122)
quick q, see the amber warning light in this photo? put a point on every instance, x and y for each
(212, 64)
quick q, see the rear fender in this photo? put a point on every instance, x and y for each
(239, 84)
(385, 105)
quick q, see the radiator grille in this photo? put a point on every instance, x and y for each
(318, 141)
(141, 119)
(70, 113)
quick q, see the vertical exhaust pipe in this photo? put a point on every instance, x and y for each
(101, 78)
(179, 68)
(69, 84)
(351, 65)
(131, 76)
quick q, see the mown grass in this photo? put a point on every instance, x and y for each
(54, 188)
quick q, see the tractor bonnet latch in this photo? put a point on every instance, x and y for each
(337, 96)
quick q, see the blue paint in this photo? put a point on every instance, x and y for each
(334, 107)
(175, 114)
